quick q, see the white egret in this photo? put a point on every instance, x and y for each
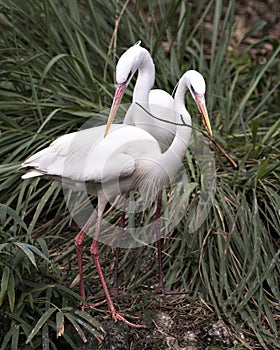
(121, 162)
(159, 103)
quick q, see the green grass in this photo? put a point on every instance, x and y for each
(57, 71)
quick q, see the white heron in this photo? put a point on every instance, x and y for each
(120, 162)
(159, 103)
(137, 58)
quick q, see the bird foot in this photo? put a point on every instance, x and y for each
(92, 306)
(165, 291)
(116, 316)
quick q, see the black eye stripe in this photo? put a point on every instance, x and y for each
(193, 90)
(129, 76)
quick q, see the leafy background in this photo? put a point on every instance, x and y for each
(57, 71)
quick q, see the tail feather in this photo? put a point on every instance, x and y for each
(32, 173)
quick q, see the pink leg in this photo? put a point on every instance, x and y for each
(160, 289)
(79, 240)
(95, 255)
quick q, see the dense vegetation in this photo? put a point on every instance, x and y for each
(57, 71)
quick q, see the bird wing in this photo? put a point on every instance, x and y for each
(49, 160)
(88, 156)
(162, 107)
(157, 123)
(116, 155)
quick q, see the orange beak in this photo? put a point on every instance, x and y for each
(120, 88)
(201, 104)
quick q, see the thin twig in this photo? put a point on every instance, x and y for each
(113, 41)
(210, 137)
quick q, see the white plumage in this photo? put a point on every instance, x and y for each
(87, 156)
(128, 158)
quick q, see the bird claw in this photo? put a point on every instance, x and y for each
(116, 316)
(92, 306)
(119, 317)
(83, 306)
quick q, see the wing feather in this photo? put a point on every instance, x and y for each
(88, 156)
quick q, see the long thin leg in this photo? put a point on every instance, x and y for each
(160, 289)
(115, 288)
(79, 240)
(95, 255)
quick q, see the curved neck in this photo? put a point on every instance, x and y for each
(177, 150)
(145, 79)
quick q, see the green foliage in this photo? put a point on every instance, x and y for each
(33, 299)
(57, 70)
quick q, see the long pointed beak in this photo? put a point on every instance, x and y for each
(120, 88)
(200, 101)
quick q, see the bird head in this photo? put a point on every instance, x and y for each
(197, 87)
(130, 61)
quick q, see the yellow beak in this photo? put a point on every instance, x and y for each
(200, 101)
(120, 88)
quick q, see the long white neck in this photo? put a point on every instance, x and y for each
(172, 158)
(145, 80)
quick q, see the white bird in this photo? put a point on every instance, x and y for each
(120, 162)
(108, 166)
(159, 103)
(164, 166)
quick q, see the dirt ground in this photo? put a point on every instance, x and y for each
(251, 12)
(177, 322)
(173, 322)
